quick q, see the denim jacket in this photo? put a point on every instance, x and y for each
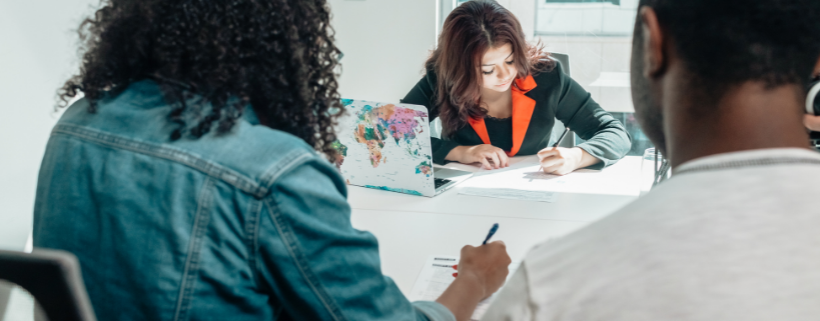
(248, 225)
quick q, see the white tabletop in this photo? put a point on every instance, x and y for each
(412, 228)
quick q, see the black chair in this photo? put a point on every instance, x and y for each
(564, 59)
(53, 278)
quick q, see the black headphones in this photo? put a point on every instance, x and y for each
(813, 108)
(813, 101)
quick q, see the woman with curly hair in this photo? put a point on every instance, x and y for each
(499, 97)
(187, 179)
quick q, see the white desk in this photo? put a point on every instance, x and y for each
(412, 228)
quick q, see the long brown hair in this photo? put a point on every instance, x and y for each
(469, 31)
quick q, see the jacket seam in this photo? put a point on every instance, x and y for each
(191, 270)
(164, 152)
(292, 244)
(291, 160)
(252, 230)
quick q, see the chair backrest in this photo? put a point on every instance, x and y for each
(559, 127)
(564, 60)
(53, 278)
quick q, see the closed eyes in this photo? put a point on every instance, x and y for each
(493, 70)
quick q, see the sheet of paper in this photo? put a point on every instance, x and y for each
(437, 275)
(510, 194)
(472, 168)
(525, 174)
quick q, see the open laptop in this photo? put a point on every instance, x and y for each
(387, 146)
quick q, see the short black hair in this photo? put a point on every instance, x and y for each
(728, 42)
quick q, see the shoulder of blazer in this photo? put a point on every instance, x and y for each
(548, 82)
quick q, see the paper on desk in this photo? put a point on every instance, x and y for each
(437, 275)
(525, 174)
(515, 163)
(478, 168)
(510, 194)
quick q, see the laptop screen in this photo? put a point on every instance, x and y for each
(385, 146)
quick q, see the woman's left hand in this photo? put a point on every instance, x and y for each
(560, 160)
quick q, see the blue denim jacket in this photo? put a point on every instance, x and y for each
(250, 225)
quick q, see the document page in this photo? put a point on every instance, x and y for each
(526, 180)
(510, 194)
(437, 275)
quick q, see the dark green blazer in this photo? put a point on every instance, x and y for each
(555, 95)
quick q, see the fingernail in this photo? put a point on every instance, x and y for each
(455, 275)
(455, 267)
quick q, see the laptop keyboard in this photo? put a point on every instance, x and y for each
(441, 182)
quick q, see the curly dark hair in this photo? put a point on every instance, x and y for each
(212, 58)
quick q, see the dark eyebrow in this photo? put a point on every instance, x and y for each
(504, 59)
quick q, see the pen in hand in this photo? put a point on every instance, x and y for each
(561, 139)
(558, 142)
(491, 233)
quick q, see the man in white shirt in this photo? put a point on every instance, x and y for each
(719, 87)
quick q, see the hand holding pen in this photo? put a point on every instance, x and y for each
(481, 272)
(554, 160)
(489, 235)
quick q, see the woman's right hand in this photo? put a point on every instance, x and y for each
(489, 156)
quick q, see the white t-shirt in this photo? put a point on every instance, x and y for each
(734, 236)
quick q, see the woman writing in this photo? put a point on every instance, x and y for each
(499, 97)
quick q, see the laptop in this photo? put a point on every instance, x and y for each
(387, 146)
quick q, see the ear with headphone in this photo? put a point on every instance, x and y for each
(813, 108)
(812, 100)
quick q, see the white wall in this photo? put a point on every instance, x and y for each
(385, 44)
(37, 54)
(524, 11)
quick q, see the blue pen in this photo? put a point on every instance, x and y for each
(492, 231)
